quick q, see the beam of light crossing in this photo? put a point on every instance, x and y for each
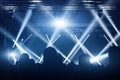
(54, 35)
(82, 43)
(107, 39)
(23, 50)
(87, 31)
(103, 26)
(31, 29)
(76, 50)
(60, 53)
(51, 44)
(56, 38)
(100, 58)
(19, 47)
(25, 21)
(28, 26)
(111, 21)
(108, 45)
(47, 37)
(88, 52)
(82, 47)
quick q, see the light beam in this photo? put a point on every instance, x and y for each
(25, 21)
(111, 21)
(103, 26)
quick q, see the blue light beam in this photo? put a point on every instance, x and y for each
(103, 26)
(108, 45)
(25, 21)
(111, 21)
(82, 47)
(107, 39)
(100, 58)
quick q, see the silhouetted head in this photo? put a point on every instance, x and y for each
(114, 55)
(24, 56)
(50, 55)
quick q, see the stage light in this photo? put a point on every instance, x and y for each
(98, 58)
(60, 23)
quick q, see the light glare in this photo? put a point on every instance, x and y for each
(60, 23)
(98, 58)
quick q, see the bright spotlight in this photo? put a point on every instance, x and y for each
(12, 57)
(60, 23)
(93, 60)
(98, 58)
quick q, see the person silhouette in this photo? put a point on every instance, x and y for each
(114, 56)
(50, 56)
(112, 71)
(53, 67)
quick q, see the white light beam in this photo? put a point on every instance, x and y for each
(111, 21)
(103, 26)
(25, 21)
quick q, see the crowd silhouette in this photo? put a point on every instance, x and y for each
(54, 69)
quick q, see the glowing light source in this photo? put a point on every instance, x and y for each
(35, 1)
(98, 58)
(109, 44)
(13, 56)
(60, 23)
